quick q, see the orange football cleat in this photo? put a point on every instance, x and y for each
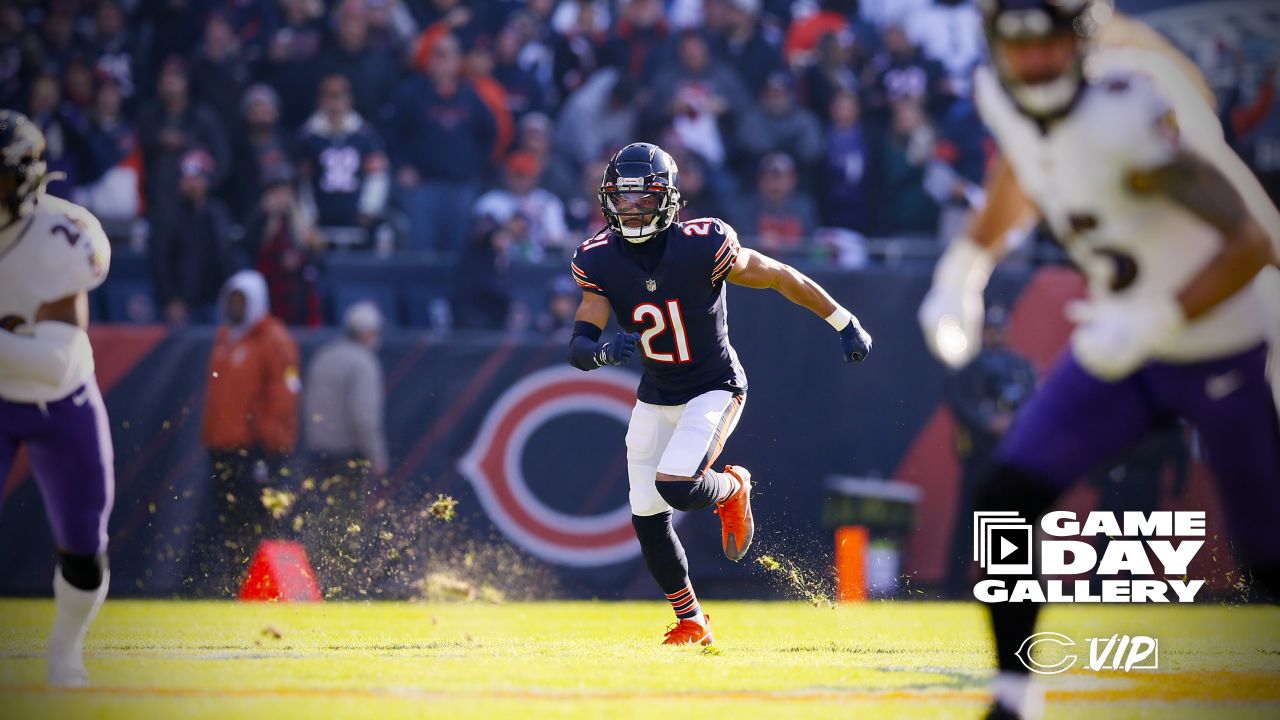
(689, 632)
(737, 527)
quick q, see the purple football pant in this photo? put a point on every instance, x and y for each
(69, 445)
(1074, 423)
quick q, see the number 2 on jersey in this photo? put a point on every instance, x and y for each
(649, 312)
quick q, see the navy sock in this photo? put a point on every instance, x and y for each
(703, 491)
(664, 555)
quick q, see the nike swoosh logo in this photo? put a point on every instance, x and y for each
(1218, 387)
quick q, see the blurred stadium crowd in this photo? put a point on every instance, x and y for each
(217, 135)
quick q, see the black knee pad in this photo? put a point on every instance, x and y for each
(678, 493)
(1007, 488)
(83, 572)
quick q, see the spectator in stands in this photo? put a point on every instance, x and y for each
(343, 168)
(533, 135)
(478, 71)
(703, 95)
(482, 292)
(524, 91)
(844, 187)
(777, 219)
(836, 70)
(900, 71)
(698, 195)
(342, 410)
(599, 118)
(219, 72)
(250, 423)
(804, 34)
(582, 210)
(955, 174)
(581, 29)
(58, 38)
(538, 211)
(110, 188)
(283, 243)
(532, 24)
(112, 47)
(556, 321)
(171, 126)
(781, 125)
(292, 64)
(23, 53)
(391, 25)
(78, 88)
(260, 146)
(983, 397)
(62, 126)
(444, 135)
(190, 246)
(904, 206)
(950, 32)
(254, 23)
(747, 48)
(639, 43)
(371, 69)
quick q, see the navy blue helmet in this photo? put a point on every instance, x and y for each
(22, 167)
(639, 192)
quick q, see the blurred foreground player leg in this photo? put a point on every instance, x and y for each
(51, 254)
(1126, 162)
(664, 280)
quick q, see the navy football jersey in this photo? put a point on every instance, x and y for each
(679, 309)
(338, 164)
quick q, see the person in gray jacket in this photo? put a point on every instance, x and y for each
(342, 412)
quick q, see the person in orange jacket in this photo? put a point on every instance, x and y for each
(250, 422)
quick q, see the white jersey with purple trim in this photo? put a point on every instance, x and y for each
(57, 251)
(1136, 114)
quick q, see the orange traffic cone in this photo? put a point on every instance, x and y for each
(280, 572)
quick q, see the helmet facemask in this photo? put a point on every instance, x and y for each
(637, 212)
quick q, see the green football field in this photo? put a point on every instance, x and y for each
(602, 659)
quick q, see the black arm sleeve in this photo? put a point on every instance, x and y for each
(583, 345)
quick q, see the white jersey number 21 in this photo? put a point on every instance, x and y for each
(649, 312)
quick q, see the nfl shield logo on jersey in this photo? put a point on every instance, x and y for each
(650, 285)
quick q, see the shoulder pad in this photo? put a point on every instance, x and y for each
(83, 255)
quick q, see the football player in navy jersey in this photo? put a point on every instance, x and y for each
(665, 282)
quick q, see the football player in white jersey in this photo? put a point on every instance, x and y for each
(52, 253)
(1130, 171)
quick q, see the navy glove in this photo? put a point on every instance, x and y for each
(855, 342)
(619, 350)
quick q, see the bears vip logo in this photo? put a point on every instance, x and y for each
(493, 465)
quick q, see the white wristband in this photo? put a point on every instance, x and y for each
(839, 319)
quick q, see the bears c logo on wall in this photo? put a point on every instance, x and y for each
(493, 466)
